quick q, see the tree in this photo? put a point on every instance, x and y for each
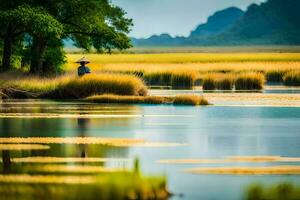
(16, 22)
(89, 23)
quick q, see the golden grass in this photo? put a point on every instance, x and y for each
(231, 159)
(72, 87)
(270, 170)
(249, 81)
(193, 100)
(38, 159)
(213, 81)
(98, 59)
(253, 99)
(46, 179)
(199, 67)
(292, 78)
(21, 147)
(67, 169)
(116, 142)
(177, 100)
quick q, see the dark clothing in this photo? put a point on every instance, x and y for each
(82, 70)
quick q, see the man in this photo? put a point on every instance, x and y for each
(82, 69)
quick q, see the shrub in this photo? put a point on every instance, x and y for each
(189, 100)
(68, 87)
(249, 81)
(292, 78)
(176, 79)
(185, 80)
(209, 83)
(93, 84)
(178, 100)
(275, 75)
(218, 81)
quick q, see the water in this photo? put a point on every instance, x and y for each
(212, 132)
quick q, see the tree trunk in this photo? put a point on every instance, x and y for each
(37, 54)
(7, 52)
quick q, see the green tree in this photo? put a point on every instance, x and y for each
(24, 19)
(89, 23)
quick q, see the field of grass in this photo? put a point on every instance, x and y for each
(72, 87)
(185, 70)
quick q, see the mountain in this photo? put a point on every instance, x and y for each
(271, 22)
(220, 22)
(217, 23)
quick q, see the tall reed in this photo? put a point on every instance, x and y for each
(249, 81)
(292, 78)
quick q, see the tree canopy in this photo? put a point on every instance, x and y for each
(41, 26)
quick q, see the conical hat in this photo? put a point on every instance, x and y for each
(83, 59)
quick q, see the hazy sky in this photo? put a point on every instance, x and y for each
(177, 17)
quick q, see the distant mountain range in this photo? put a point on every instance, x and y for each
(273, 22)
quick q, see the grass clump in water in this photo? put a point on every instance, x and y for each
(275, 75)
(218, 81)
(189, 100)
(69, 87)
(249, 81)
(176, 79)
(177, 100)
(292, 78)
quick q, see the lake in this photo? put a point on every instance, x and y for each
(212, 132)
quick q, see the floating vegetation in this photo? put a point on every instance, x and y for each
(46, 179)
(177, 100)
(116, 142)
(232, 159)
(253, 99)
(38, 159)
(278, 191)
(192, 100)
(269, 170)
(73, 169)
(20, 147)
(263, 159)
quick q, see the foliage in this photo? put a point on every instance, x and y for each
(193, 100)
(249, 81)
(71, 87)
(285, 190)
(292, 78)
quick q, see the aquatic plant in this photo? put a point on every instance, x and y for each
(292, 78)
(190, 100)
(177, 100)
(278, 191)
(269, 170)
(218, 81)
(176, 78)
(275, 75)
(70, 87)
(249, 81)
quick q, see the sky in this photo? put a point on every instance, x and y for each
(176, 17)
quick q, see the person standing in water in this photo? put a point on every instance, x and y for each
(83, 69)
